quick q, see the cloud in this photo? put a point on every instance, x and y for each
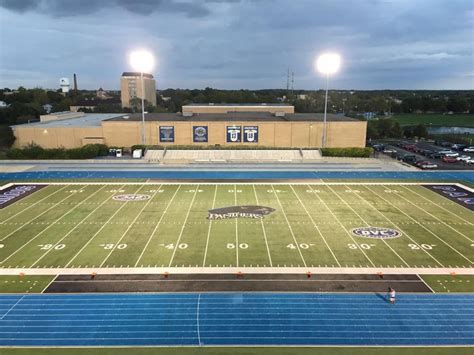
(71, 8)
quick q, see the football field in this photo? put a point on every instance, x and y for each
(243, 225)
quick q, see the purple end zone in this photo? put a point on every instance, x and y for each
(17, 192)
(455, 193)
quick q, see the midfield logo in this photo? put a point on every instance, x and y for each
(240, 212)
(376, 232)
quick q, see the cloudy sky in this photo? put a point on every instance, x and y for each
(233, 44)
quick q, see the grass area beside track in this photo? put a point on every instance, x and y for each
(24, 284)
(458, 120)
(446, 283)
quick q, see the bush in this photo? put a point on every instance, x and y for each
(347, 152)
(33, 151)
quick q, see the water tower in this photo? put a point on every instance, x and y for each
(64, 84)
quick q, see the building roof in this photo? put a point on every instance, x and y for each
(234, 116)
(87, 120)
(136, 73)
(243, 105)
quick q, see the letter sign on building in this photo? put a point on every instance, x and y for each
(234, 134)
(167, 134)
(251, 134)
(200, 134)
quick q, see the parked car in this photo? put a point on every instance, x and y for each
(426, 152)
(408, 158)
(463, 158)
(458, 147)
(445, 144)
(468, 149)
(427, 165)
(447, 159)
(470, 161)
(448, 153)
(436, 155)
(389, 150)
(410, 147)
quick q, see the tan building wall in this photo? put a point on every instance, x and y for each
(271, 134)
(55, 137)
(131, 86)
(237, 108)
(128, 133)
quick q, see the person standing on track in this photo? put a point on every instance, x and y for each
(391, 295)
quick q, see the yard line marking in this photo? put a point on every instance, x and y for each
(443, 222)
(49, 283)
(197, 317)
(29, 222)
(100, 229)
(129, 227)
(157, 225)
(27, 208)
(289, 226)
(183, 226)
(316, 226)
(426, 284)
(236, 228)
(13, 307)
(439, 205)
(429, 231)
(77, 225)
(263, 228)
(209, 229)
(363, 220)
(404, 232)
(340, 223)
(41, 232)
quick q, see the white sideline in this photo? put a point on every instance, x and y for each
(230, 183)
(234, 270)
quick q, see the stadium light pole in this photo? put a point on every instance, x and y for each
(142, 61)
(327, 64)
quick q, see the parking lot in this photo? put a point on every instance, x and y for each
(412, 152)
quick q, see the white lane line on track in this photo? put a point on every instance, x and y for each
(11, 308)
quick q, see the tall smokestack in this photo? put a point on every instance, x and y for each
(75, 83)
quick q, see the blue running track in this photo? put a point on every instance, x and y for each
(235, 319)
(241, 175)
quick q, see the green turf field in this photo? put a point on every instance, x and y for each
(460, 120)
(445, 283)
(81, 225)
(24, 283)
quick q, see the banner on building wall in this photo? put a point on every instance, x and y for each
(234, 134)
(200, 134)
(250, 134)
(167, 134)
